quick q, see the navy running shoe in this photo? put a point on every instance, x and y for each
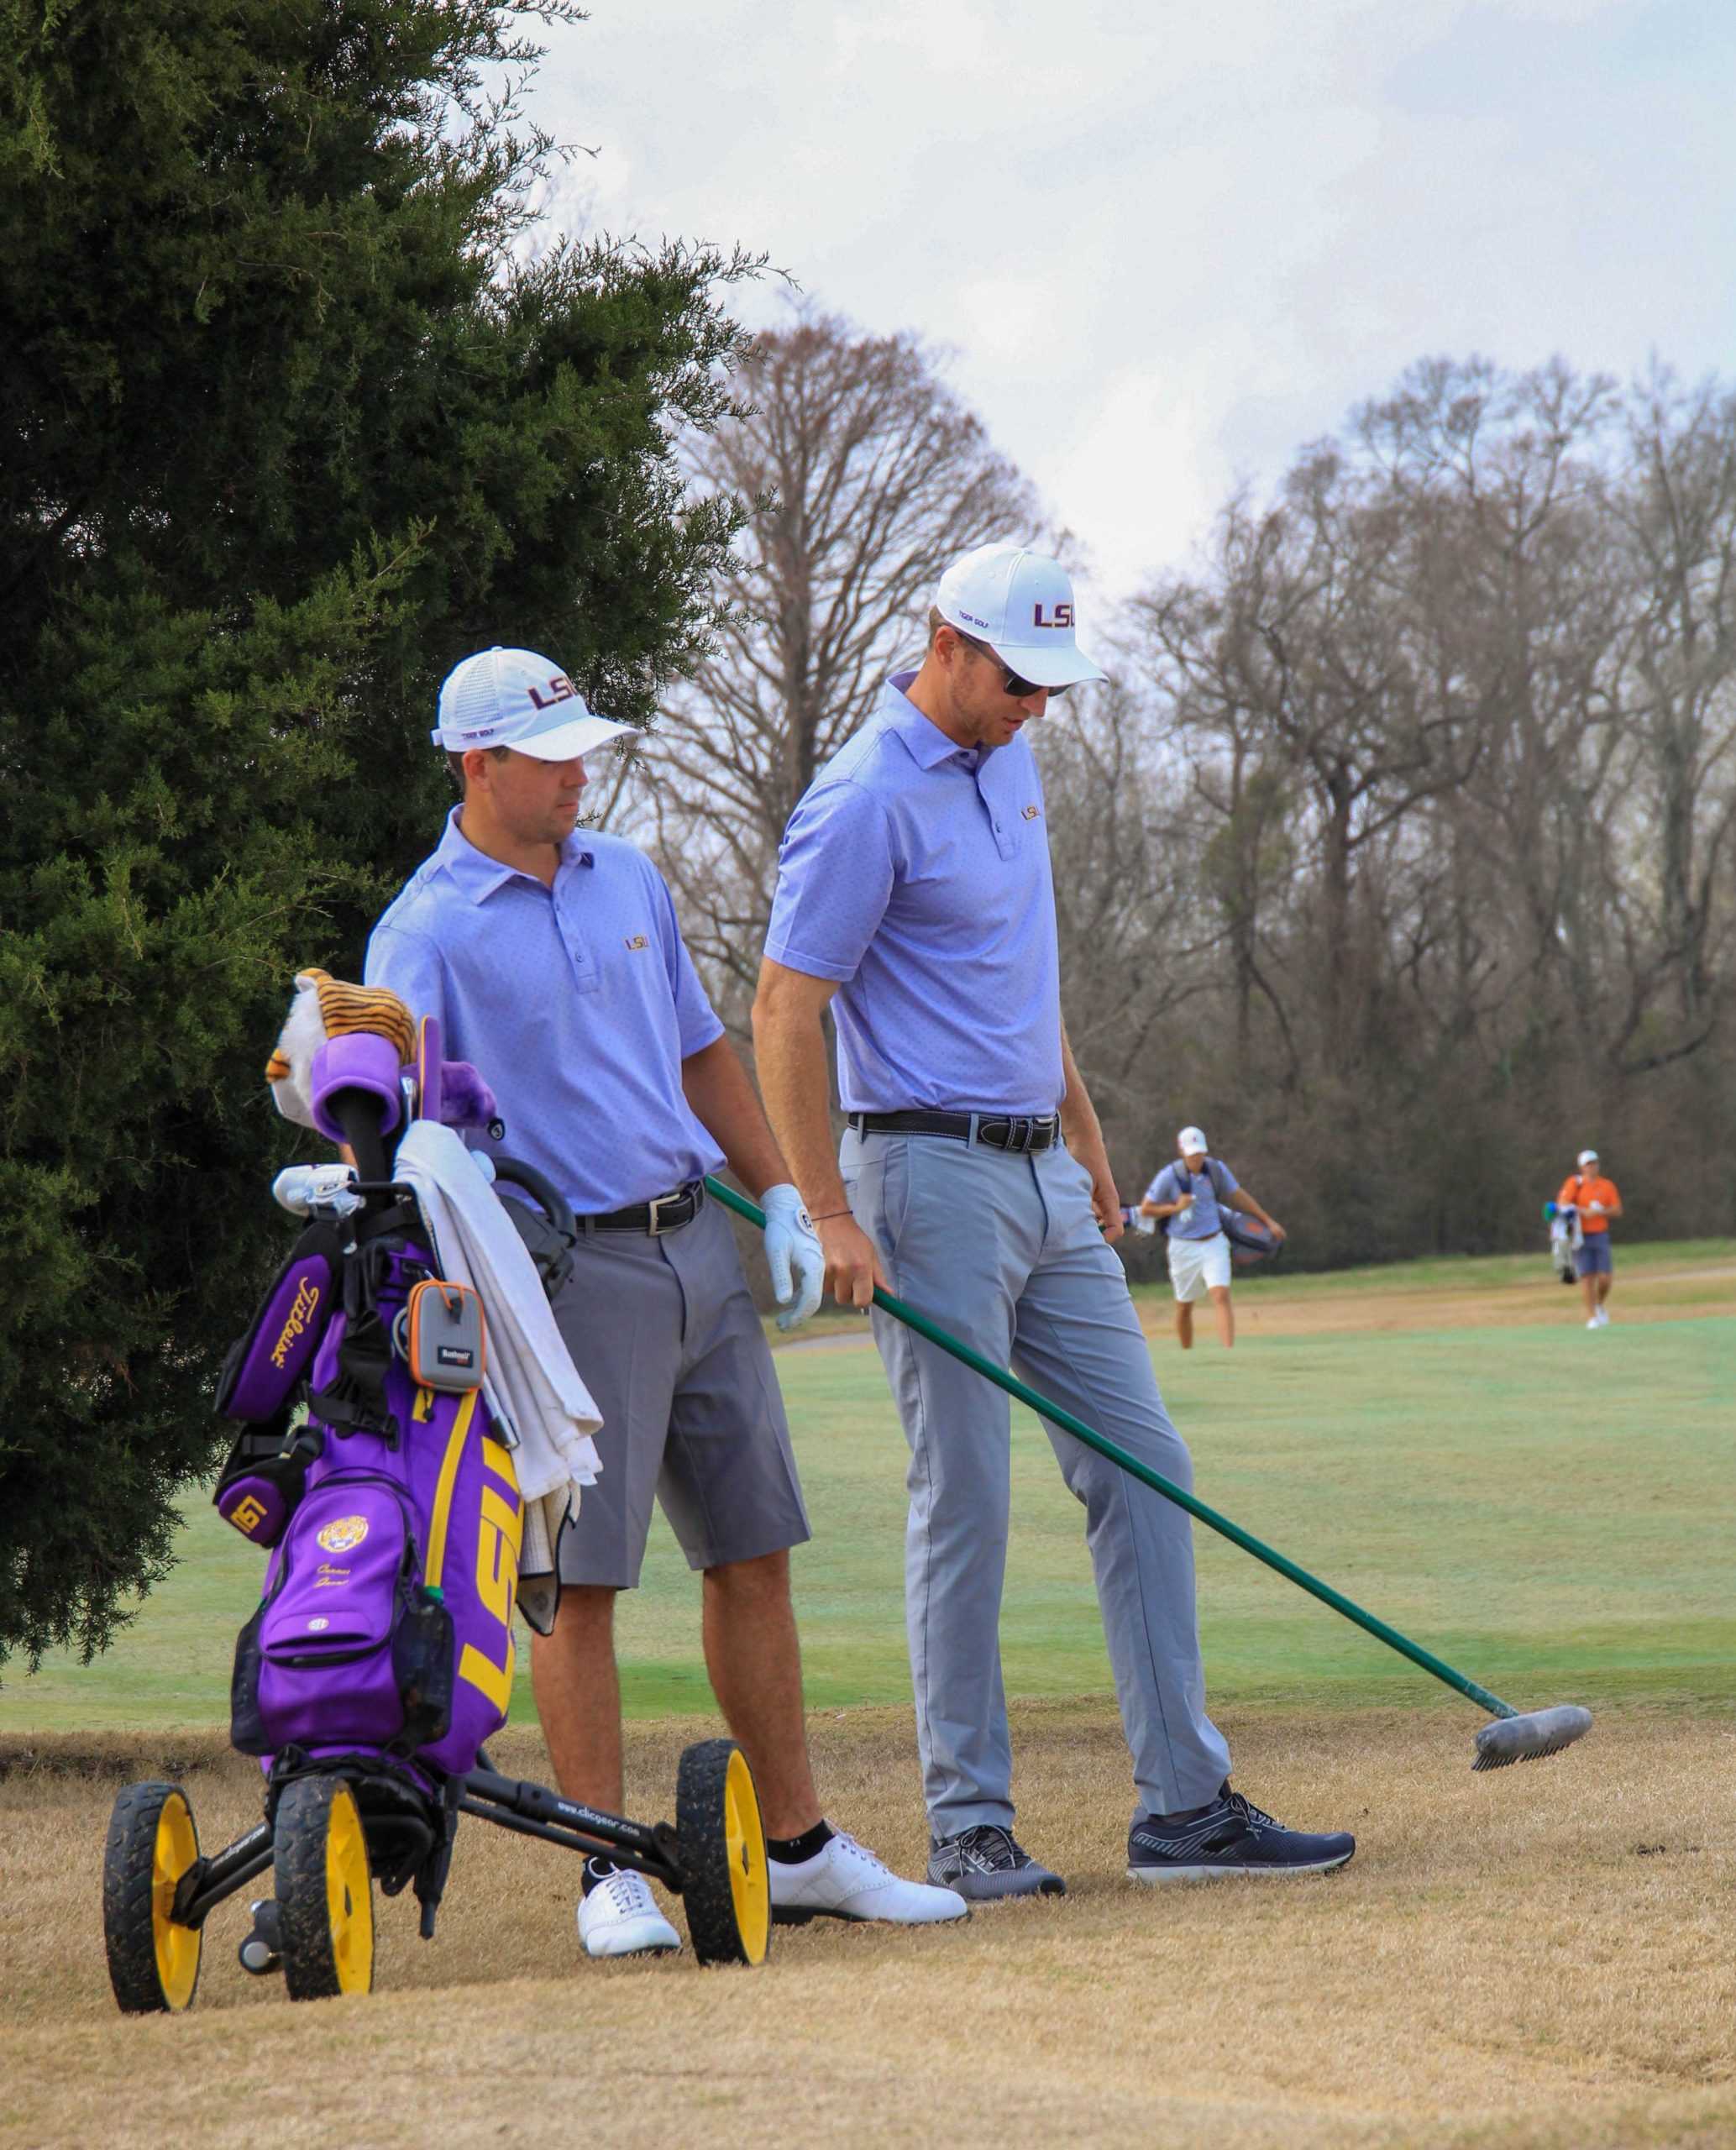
(988, 1862)
(1231, 1836)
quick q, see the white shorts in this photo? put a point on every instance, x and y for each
(1197, 1266)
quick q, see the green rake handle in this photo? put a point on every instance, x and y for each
(1368, 1621)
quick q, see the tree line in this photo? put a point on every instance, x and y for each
(1398, 850)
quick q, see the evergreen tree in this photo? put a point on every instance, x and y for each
(291, 418)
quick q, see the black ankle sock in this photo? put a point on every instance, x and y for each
(1194, 1814)
(791, 1851)
(596, 1870)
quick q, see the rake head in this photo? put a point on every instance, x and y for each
(1529, 1737)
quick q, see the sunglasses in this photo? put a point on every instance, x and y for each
(1020, 690)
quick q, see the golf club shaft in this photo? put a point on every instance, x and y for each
(1368, 1621)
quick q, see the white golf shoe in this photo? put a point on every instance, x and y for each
(620, 1917)
(844, 1880)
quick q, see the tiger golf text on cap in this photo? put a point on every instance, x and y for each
(1022, 603)
(514, 698)
(1191, 1142)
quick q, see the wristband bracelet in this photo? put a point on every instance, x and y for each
(829, 1215)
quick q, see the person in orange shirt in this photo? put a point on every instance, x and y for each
(1597, 1200)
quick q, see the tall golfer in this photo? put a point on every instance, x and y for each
(552, 958)
(915, 897)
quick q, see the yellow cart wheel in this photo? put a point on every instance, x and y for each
(153, 1962)
(324, 1887)
(725, 1885)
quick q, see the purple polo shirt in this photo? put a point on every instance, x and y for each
(577, 1003)
(916, 873)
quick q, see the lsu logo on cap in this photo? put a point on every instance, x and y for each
(1059, 616)
(561, 690)
(338, 1537)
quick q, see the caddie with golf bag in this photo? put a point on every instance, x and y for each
(1212, 1224)
(411, 1429)
(555, 952)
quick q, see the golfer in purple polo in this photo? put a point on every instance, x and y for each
(913, 899)
(551, 956)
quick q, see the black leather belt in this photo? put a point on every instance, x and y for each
(1017, 1131)
(663, 1213)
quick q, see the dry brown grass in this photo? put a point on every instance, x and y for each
(1375, 1305)
(1647, 1295)
(1543, 1956)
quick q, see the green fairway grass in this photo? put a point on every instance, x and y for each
(1555, 1514)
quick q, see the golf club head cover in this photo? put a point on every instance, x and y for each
(361, 1063)
(465, 1099)
(325, 1012)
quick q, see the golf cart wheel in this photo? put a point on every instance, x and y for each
(153, 1962)
(325, 1897)
(724, 1884)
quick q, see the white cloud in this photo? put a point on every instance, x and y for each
(1170, 242)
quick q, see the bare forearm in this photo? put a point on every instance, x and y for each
(715, 1085)
(1079, 1116)
(790, 1049)
(1084, 1139)
(789, 1043)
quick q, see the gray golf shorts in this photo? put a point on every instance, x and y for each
(664, 1336)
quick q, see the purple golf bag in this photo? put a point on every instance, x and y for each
(380, 1656)
(383, 1643)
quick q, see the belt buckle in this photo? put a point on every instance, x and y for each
(655, 1207)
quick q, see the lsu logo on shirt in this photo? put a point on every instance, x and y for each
(637, 941)
(1029, 813)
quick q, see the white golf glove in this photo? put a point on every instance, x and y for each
(793, 1255)
(1596, 1209)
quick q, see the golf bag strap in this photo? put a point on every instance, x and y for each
(354, 1400)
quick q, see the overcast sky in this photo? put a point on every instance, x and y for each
(1169, 242)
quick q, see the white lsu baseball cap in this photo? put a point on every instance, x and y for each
(1022, 603)
(1191, 1142)
(514, 698)
(1588, 1156)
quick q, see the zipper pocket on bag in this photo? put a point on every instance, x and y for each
(337, 1596)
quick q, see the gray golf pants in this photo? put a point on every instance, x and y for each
(1003, 1251)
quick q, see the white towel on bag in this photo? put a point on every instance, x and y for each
(540, 1407)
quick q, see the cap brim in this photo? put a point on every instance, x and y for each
(567, 742)
(1049, 665)
(561, 742)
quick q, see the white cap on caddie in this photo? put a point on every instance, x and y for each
(514, 698)
(1191, 1142)
(1588, 1156)
(1022, 603)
